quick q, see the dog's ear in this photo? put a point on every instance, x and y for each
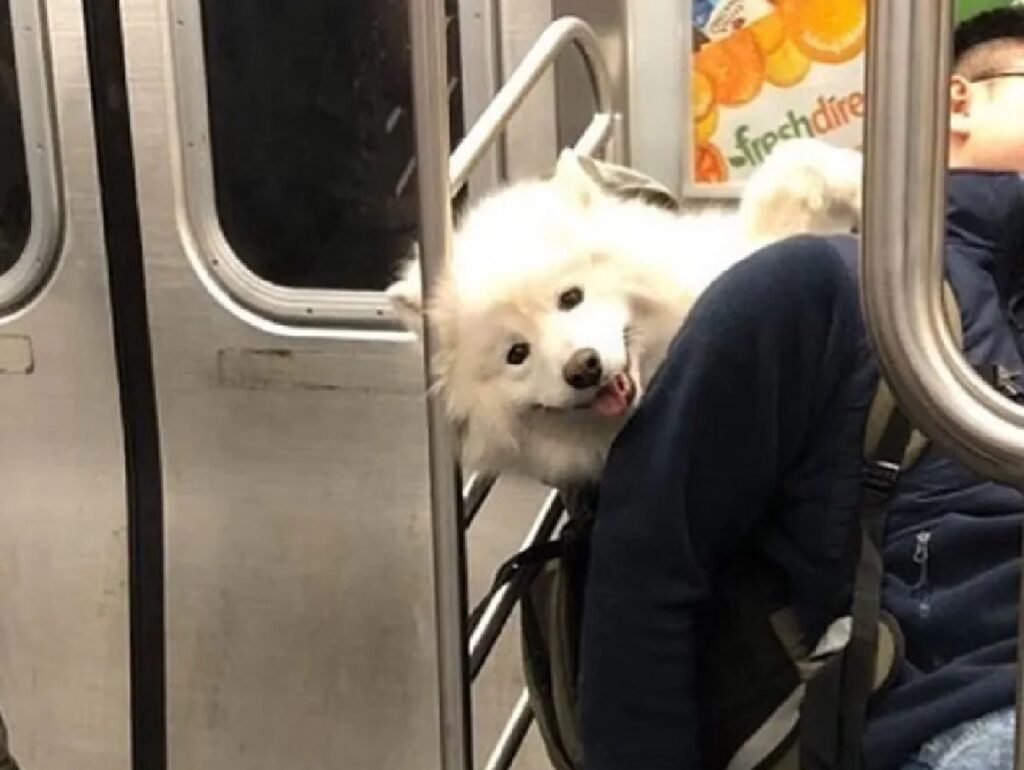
(573, 180)
(406, 297)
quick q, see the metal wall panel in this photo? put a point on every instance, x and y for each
(299, 597)
(63, 554)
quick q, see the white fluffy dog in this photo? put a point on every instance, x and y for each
(560, 301)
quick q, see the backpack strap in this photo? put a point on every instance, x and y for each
(525, 564)
(835, 710)
(881, 473)
(522, 565)
(835, 707)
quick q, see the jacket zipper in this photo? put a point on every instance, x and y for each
(921, 590)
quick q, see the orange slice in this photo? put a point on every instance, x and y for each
(769, 32)
(702, 95)
(787, 66)
(704, 128)
(829, 31)
(709, 164)
(735, 67)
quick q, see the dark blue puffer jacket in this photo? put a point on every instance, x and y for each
(756, 420)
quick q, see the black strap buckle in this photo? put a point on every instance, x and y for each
(881, 476)
(1002, 379)
(1008, 383)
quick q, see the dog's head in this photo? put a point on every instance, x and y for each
(534, 340)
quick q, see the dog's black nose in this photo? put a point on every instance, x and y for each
(583, 369)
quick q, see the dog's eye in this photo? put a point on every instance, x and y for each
(518, 353)
(570, 298)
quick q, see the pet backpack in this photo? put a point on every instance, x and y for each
(759, 673)
(769, 700)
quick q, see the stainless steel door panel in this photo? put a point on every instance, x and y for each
(63, 558)
(299, 601)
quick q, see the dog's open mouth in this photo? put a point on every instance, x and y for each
(615, 397)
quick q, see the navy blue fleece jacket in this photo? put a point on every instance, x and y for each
(755, 421)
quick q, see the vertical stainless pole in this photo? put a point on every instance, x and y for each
(498, 66)
(906, 145)
(430, 103)
(906, 152)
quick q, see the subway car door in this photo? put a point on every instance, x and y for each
(65, 467)
(276, 186)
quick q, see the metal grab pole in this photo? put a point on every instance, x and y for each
(430, 104)
(908, 64)
(906, 146)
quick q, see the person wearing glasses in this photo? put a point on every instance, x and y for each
(751, 437)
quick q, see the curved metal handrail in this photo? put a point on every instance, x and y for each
(909, 41)
(540, 57)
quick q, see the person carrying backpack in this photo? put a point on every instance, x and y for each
(743, 474)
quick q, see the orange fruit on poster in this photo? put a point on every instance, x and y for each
(769, 32)
(735, 67)
(709, 164)
(704, 128)
(828, 31)
(702, 95)
(787, 66)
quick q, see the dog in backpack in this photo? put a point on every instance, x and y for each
(561, 298)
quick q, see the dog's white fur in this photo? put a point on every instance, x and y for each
(639, 267)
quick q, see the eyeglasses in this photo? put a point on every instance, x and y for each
(997, 75)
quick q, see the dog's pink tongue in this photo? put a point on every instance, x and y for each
(615, 397)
